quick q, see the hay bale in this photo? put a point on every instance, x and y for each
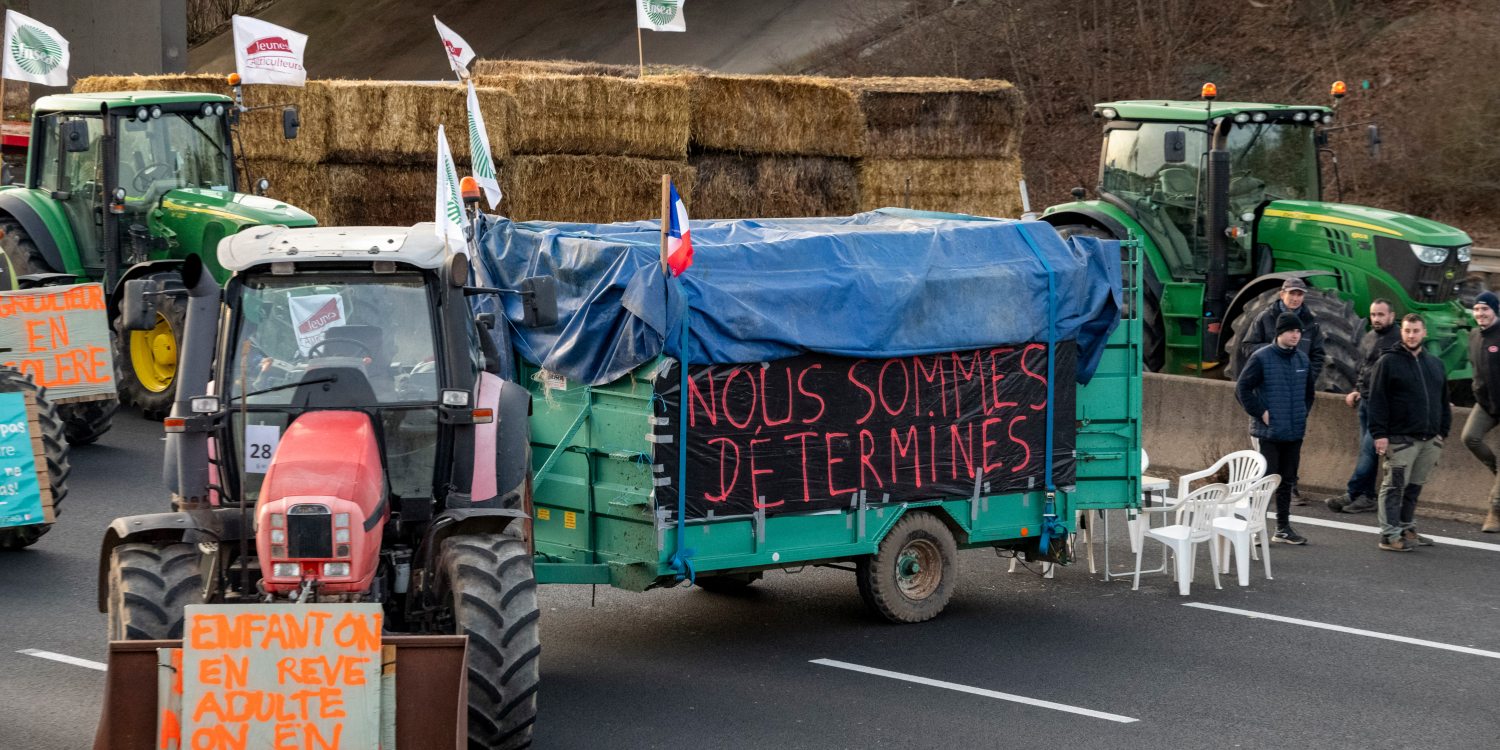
(733, 186)
(197, 84)
(920, 118)
(551, 67)
(302, 185)
(799, 115)
(386, 122)
(378, 195)
(595, 115)
(597, 189)
(982, 187)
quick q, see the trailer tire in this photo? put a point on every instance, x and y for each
(490, 589)
(1154, 345)
(150, 384)
(912, 573)
(149, 586)
(53, 445)
(1341, 326)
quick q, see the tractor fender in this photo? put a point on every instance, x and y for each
(112, 298)
(460, 521)
(1255, 288)
(31, 221)
(1111, 224)
(502, 448)
(151, 527)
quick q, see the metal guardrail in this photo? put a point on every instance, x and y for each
(1485, 259)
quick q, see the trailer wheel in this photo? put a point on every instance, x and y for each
(149, 585)
(912, 574)
(146, 361)
(490, 588)
(53, 445)
(1341, 326)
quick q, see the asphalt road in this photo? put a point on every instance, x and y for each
(684, 668)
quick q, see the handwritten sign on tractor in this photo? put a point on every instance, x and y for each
(285, 676)
(59, 335)
(25, 496)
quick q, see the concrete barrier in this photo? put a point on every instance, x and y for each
(1191, 422)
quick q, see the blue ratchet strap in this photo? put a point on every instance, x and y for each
(1051, 527)
(681, 559)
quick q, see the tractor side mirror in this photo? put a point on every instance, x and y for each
(485, 321)
(1174, 146)
(138, 308)
(75, 134)
(539, 301)
(1373, 133)
(289, 123)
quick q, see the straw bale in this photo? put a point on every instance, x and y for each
(907, 118)
(798, 115)
(596, 115)
(982, 187)
(197, 84)
(552, 67)
(379, 195)
(386, 122)
(302, 185)
(597, 189)
(733, 186)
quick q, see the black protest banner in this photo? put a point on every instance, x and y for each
(806, 433)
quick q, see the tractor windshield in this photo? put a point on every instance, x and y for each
(1271, 161)
(175, 150)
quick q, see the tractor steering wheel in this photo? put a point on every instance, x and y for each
(315, 349)
(145, 177)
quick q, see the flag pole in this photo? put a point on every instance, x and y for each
(640, 52)
(666, 221)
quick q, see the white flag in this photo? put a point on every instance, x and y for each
(483, 163)
(34, 52)
(660, 15)
(451, 219)
(458, 51)
(267, 53)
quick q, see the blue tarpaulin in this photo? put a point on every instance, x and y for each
(887, 283)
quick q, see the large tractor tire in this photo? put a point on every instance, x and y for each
(149, 585)
(1342, 329)
(912, 573)
(491, 589)
(146, 361)
(1154, 347)
(21, 253)
(53, 445)
(86, 421)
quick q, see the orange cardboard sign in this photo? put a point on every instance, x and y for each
(59, 335)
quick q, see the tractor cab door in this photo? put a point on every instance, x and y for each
(74, 176)
(1162, 195)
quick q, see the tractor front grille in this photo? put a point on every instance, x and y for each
(309, 532)
(1423, 282)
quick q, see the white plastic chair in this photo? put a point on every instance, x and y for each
(1245, 469)
(1199, 510)
(1241, 524)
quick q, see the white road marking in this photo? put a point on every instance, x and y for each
(64, 658)
(976, 691)
(1448, 540)
(1342, 629)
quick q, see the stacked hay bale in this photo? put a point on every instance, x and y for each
(956, 140)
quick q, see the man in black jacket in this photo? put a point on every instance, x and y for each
(1263, 331)
(1484, 354)
(1383, 334)
(1276, 390)
(1409, 417)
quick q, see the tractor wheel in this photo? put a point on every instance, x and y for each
(1342, 329)
(1154, 347)
(491, 591)
(86, 421)
(149, 585)
(53, 445)
(146, 361)
(912, 573)
(20, 252)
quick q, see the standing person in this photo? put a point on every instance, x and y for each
(1383, 334)
(1276, 390)
(1484, 355)
(1409, 417)
(1263, 332)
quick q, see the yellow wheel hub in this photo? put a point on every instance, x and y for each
(153, 355)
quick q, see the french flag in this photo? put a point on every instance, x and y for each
(679, 237)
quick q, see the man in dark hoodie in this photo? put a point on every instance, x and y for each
(1484, 354)
(1409, 417)
(1383, 334)
(1276, 390)
(1263, 331)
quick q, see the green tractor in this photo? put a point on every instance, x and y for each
(127, 185)
(1228, 198)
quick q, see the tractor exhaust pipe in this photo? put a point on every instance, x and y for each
(1217, 207)
(189, 449)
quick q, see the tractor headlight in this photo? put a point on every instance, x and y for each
(1300, 116)
(1429, 254)
(1327, 119)
(455, 398)
(155, 112)
(1242, 118)
(208, 109)
(205, 404)
(341, 536)
(286, 570)
(218, 110)
(1259, 117)
(141, 113)
(335, 570)
(1464, 254)
(1109, 113)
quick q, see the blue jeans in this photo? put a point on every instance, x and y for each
(1363, 480)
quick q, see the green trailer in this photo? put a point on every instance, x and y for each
(597, 519)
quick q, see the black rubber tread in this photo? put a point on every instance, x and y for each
(86, 421)
(149, 585)
(54, 445)
(1341, 326)
(17, 244)
(876, 574)
(153, 405)
(492, 587)
(1154, 347)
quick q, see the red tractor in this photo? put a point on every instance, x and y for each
(341, 434)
